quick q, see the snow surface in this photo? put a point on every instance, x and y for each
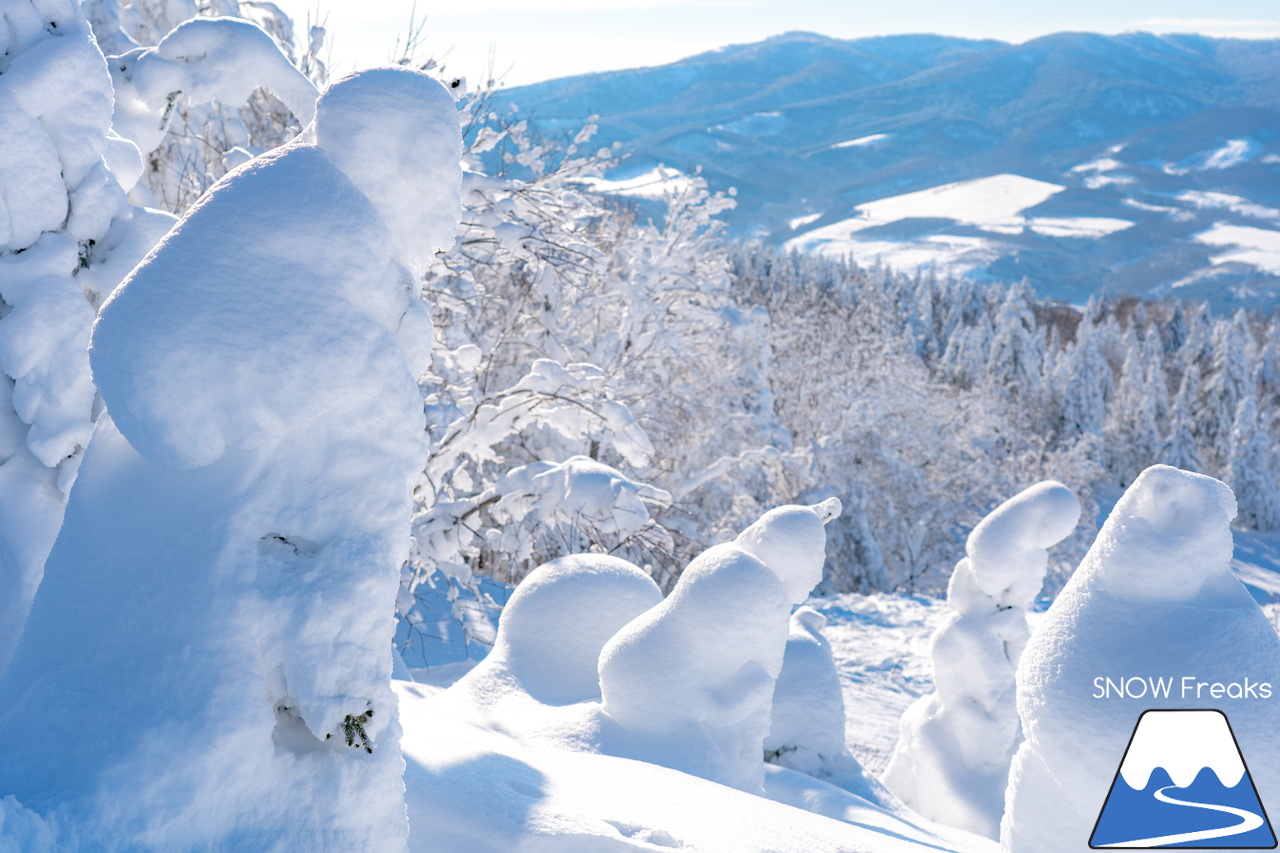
(262, 366)
(493, 767)
(1258, 247)
(880, 644)
(862, 141)
(803, 220)
(471, 786)
(1234, 152)
(1225, 201)
(656, 183)
(1154, 597)
(995, 204)
(460, 800)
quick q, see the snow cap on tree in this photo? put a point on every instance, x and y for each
(699, 669)
(394, 132)
(558, 620)
(952, 760)
(791, 542)
(1007, 549)
(376, 194)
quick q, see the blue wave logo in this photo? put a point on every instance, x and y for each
(1183, 783)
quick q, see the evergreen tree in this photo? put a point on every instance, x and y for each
(1013, 363)
(1086, 384)
(1228, 380)
(1174, 332)
(858, 564)
(1267, 375)
(1179, 448)
(1252, 471)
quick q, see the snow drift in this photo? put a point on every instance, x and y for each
(521, 754)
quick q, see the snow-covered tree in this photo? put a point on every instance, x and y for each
(1252, 470)
(1134, 430)
(1156, 588)
(1013, 362)
(1228, 378)
(807, 719)
(722, 633)
(265, 423)
(952, 761)
(1084, 383)
(67, 237)
(568, 329)
(1180, 448)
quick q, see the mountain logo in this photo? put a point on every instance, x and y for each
(1182, 783)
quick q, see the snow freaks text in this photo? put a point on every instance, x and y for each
(1178, 687)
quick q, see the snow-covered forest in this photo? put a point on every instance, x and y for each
(312, 408)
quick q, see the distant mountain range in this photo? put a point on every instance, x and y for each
(1142, 164)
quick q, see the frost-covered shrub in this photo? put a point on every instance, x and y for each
(694, 676)
(264, 422)
(575, 346)
(204, 87)
(881, 380)
(952, 761)
(806, 730)
(1153, 599)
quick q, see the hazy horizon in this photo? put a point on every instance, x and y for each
(531, 43)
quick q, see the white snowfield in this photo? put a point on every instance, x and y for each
(862, 141)
(656, 183)
(1154, 596)
(967, 225)
(994, 204)
(234, 541)
(1245, 244)
(471, 787)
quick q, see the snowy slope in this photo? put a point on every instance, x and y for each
(472, 788)
(922, 150)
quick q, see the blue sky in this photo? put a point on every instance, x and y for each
(539, 40)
